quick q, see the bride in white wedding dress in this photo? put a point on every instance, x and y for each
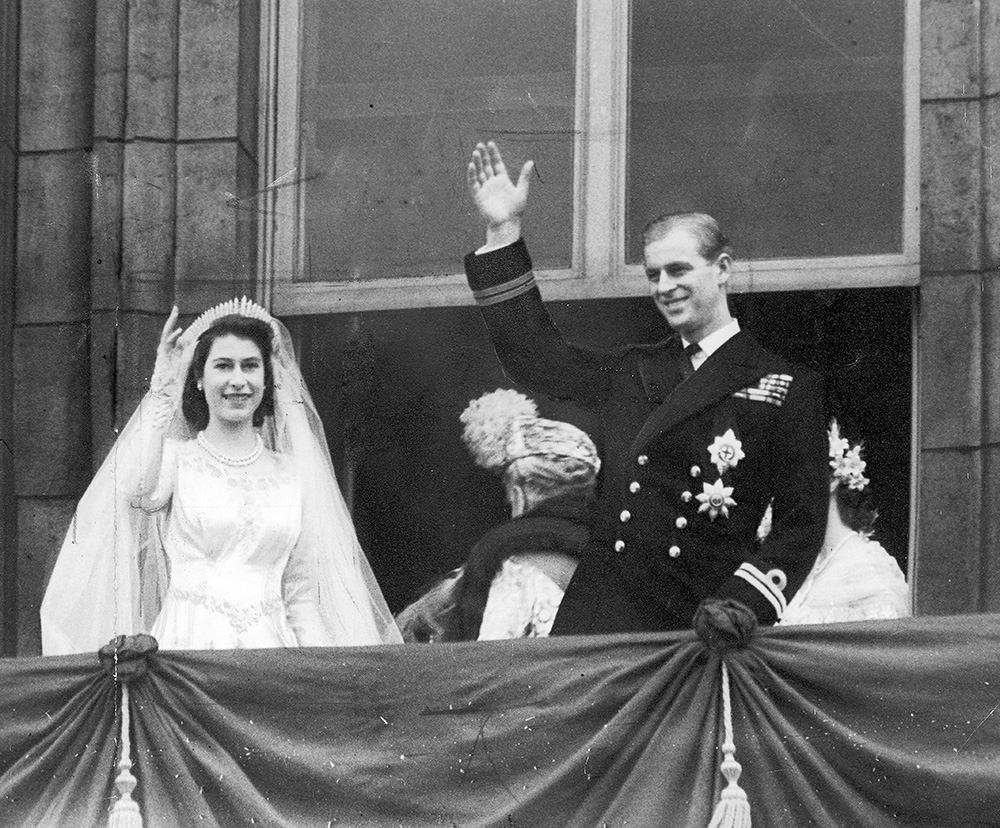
(216, 521)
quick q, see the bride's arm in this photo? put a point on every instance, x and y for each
(155, 483)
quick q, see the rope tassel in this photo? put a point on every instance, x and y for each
(125, 813)
(733, 808)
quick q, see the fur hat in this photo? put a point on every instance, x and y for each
(503, 426)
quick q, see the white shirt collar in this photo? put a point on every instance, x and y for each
(711, 343)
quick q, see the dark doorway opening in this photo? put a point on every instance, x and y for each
(391, 385)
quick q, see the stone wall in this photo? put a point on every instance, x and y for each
(52, 139)
(8, 225)
(959, 519)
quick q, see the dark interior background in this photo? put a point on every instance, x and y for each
(390, 387)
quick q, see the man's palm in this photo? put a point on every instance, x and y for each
(498, 199)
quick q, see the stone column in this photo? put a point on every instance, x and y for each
(128, 159)
(174, 218)
(959, 504)
(991, 315)
(8, 212)
(50, 355)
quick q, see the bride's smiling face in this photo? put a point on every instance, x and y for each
(233, 380)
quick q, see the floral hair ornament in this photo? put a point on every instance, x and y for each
(231, 307)
(845, 460)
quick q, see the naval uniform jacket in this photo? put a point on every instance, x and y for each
(674, 523)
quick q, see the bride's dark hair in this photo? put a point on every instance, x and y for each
(856, 508)
(193, 402)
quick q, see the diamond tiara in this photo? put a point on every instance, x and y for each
(232, 307)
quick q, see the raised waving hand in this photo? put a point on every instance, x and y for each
(499, 200)
(168, 354)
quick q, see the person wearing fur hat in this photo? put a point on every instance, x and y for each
(700, 432)
(516, 574)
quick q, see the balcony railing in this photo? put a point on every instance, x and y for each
(873, 724)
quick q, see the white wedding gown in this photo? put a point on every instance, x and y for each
(229, 534)
(856, 581)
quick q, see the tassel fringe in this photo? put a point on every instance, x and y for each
(733, 808)
(125, 813)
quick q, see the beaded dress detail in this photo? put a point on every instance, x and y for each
(228, 534)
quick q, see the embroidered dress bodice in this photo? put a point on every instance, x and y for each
(228, 534)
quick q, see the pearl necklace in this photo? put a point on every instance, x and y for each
(258, 449)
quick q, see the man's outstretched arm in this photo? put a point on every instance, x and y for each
(531, 350)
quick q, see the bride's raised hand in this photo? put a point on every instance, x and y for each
(168, 355)
(499, 200)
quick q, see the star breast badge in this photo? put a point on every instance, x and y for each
(715, 499)
(726, 452)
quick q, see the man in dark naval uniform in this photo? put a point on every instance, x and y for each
(702, 431)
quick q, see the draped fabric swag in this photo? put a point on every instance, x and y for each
(870, 724)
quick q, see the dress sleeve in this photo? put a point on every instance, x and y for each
(300, 594)
(530, 348)
(166, 480)
(157, 454)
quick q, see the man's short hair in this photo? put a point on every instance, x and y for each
(712, 242)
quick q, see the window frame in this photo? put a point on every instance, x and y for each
(598, 253)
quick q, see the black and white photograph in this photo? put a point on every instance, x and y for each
(500, 413)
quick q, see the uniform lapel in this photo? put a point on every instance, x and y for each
(734, 366)
(658, 370)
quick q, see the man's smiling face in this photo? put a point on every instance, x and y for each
(689, 290)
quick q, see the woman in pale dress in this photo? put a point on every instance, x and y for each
(516, 574)
(854, 578)
(216, 521)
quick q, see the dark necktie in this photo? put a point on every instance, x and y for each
(686, 366)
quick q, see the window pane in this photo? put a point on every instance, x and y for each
(395, 95)
(783, 118)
